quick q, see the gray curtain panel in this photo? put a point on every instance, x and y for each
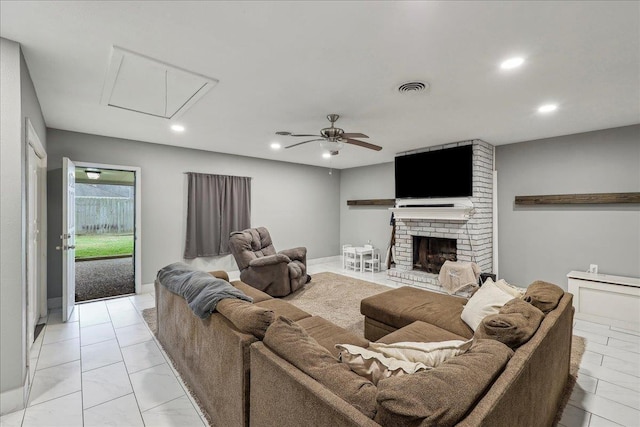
(216, 206)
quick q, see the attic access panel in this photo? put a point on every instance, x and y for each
(145, 85)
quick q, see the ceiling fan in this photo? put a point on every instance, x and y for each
(333, 139)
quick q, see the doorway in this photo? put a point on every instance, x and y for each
(105, 226)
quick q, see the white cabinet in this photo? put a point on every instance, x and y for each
(607, 299)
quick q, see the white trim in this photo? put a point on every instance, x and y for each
(14, 399)
(138, 213)
(434, 209)
(495, 221)
(324, 260)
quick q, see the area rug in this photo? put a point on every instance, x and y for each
(337, 297)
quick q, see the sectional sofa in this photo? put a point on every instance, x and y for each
(239, 380)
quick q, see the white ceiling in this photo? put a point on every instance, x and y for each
(286, 65)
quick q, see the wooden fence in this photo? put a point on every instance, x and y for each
(104, 215)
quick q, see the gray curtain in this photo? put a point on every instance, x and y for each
(216, 206)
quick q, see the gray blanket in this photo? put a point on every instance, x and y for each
(201, 290)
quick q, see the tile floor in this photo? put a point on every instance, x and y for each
(105, 368)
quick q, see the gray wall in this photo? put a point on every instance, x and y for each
(546, 242)
(18, 102)
(297, 203)
(358, 224)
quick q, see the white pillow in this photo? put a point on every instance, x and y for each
(381, 361)
(510, 289)
(487, 300)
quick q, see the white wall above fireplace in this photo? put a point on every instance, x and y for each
(450, 209)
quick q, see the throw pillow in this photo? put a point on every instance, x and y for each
(443, 395)
(514, 291)
(248, 318)
(291, 342)
(430, 354)
(373, 365)
(386, 360)
(514, 325)
(487, 300)
(543, 295)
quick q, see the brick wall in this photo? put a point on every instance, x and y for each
(474, 238)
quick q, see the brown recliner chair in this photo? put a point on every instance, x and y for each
(277, 274)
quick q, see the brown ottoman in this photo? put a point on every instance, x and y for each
(394, 309)
(420, 332)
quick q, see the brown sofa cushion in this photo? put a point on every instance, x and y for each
(290, 341)
(514, 325)
(403, 306)
(328, 334)
(257, 295)
(441, 396)
(419, 332)
(245, 316)
(543, 295)
(283, 308)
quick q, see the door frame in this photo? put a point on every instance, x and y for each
(137, 234)
(39, 288)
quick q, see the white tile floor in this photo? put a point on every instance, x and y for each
(105, 368)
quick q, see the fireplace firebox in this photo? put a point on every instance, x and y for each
(429, 253)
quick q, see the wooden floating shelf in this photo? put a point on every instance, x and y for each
(372, 202)
(579, 199)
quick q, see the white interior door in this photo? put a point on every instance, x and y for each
(33, 246)
(68, 238)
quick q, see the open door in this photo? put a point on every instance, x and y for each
(68, 237)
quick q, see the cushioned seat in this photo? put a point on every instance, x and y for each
(420, 332)
(400, 307)
(283, 308)
(328, 334)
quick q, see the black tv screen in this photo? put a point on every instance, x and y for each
(439, 173)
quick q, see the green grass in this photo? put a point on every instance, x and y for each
(100, 245)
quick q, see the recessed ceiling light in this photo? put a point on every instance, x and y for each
(326, 155)
(275, 146)
(177, 128)
(93, 173)
(512, 63)
(547, 108)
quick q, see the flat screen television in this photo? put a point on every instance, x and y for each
(439, 173)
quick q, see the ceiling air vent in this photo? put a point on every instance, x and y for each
(145, 85)
(413, 87)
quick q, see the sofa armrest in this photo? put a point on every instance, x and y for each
(297, 254)
(283, 395)
(220, 274)
(269, 260)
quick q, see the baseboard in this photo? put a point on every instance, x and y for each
(147, 289)
(54, 303)
(324, 260)
(13, 400)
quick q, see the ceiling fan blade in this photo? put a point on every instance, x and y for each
(354, 135)
(302, 134)
(362, 144)
(303, 142)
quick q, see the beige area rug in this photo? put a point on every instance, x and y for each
(337, 298)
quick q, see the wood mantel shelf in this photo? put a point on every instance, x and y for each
(372, 202)
(579, 199)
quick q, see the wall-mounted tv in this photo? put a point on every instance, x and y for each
(439, 173)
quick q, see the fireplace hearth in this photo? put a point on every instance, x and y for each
(429, 253)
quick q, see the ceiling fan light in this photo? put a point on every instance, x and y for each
(331, 146)
(326, 155)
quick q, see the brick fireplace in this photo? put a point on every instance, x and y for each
(461, 229)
